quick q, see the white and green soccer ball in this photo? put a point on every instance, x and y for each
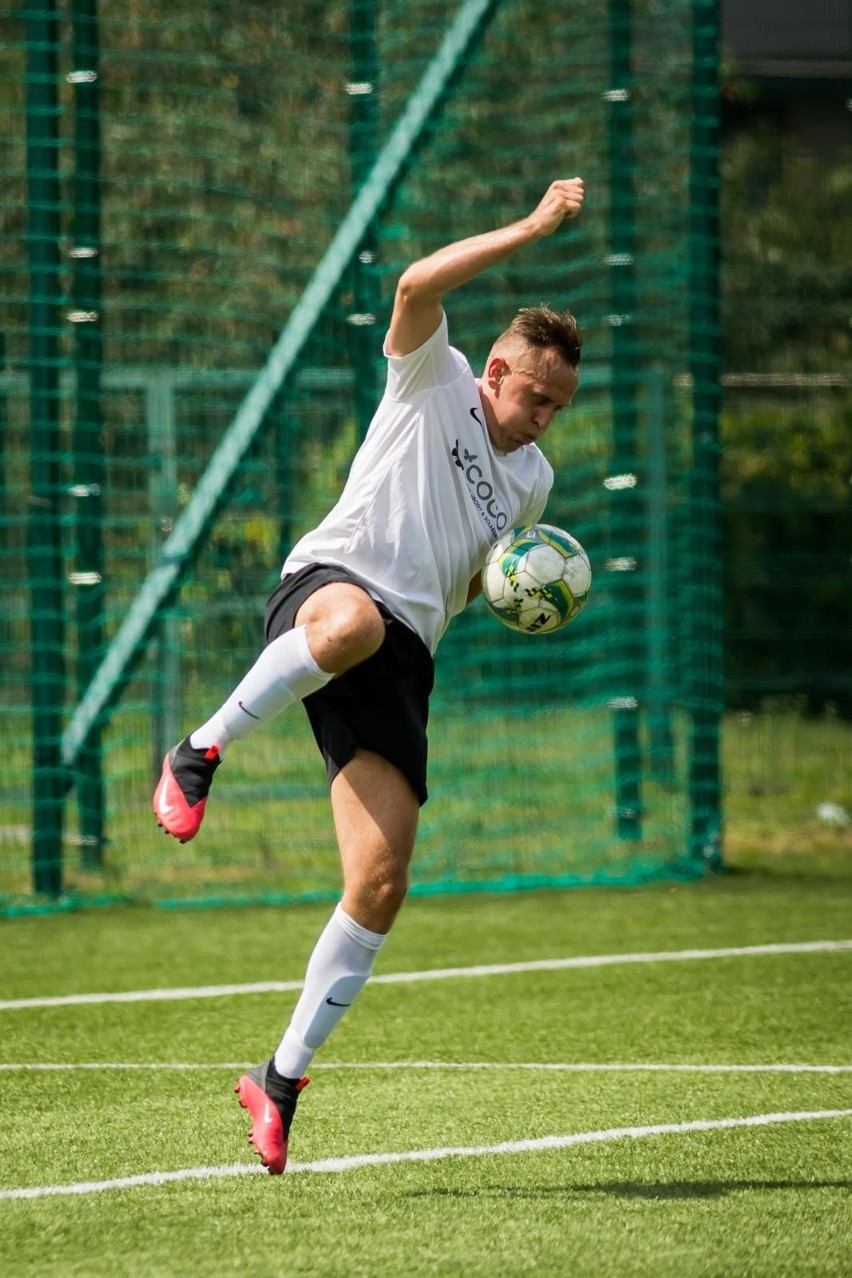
(536, 579)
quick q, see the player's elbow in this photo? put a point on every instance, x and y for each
(414, 286)
(405, 284)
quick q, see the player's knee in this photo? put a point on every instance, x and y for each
(379, 898)
(344, 624)
(391, 890)
(357, 631)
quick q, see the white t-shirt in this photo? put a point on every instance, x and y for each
(427, 494)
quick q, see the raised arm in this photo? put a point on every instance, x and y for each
(417, 306)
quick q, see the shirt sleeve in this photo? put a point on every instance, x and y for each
(433, 364)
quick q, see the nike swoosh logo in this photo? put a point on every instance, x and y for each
(168, 808)
(248, 712)
(334, 1004)
(172, 802)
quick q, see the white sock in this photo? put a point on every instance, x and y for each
(338, 970)
(284, 672)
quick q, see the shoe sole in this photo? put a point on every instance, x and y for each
(267, 1132)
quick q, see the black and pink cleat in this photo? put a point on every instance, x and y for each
(271, 1101)
(181, 795)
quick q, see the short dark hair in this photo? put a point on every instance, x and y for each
(546, 329)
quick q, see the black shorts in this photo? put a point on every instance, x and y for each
(380, 705)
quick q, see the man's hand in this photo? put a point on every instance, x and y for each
(417, 306)
(563, 199)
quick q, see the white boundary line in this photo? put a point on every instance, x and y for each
(430, 974)
(355, 1161)
(576, 1067)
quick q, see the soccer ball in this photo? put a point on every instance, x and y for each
(536, 579)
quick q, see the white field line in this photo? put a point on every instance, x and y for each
(430, 974)
(575, 1067)
(355, 1161)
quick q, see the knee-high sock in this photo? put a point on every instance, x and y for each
(284, 672)
(337, 972)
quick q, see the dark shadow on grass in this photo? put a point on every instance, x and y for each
(632, 1189)
(822, 866)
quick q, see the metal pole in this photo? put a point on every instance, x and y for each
(161, 421)
(89, 470)
(45, 548)
(659, 693)
(285, 417)
(705, 591)
(626, 515)
(363, 145)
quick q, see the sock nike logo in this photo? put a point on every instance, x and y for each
(333, 1004)
(248, 712)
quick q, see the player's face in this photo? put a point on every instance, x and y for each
(524, 394)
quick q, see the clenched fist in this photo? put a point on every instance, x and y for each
(563, 199)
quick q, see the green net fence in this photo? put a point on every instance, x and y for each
(787, 523)
(786, 497)
(173, 180)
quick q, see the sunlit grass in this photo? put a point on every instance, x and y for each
(767, 1202)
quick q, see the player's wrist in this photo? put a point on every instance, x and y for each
(534, 228)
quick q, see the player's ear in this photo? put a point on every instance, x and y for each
(495, 370)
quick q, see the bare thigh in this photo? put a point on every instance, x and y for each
(375, 817)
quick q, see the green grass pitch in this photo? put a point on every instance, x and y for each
(434, 1065)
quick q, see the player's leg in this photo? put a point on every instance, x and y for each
(343, 624)
(337, 627)
(375, 815)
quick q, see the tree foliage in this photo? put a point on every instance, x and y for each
(787, 255)
(787, 455)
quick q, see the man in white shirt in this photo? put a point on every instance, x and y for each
(449, 463)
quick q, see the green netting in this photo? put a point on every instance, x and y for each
(211, 164)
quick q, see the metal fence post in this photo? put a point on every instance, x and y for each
(624, 563)
(88, 461)
(161, 421)
(660, 675)
(363, 147)
(705, 591)
(45, 532)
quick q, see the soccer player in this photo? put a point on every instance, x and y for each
(449, 462)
